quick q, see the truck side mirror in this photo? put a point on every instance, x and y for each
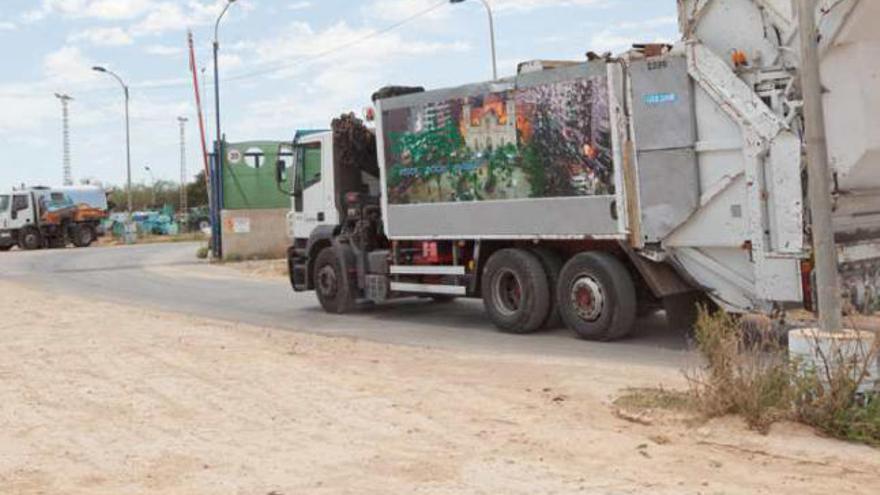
(280, 168)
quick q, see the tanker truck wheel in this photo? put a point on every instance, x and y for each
(515, 291)
(597, 297)
(83, 236)
(334, 294)
(30, 239)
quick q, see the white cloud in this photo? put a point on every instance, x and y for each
(96, 9)
(621, 36)
(7, 26)
(68, 66)
(164, 50)
(299, 5)
(394, 10)
(339, 82)
(108, 36)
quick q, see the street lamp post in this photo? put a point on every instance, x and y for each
(152, 186)
(215, 180)
(217, 68)
(491, 35)
(127, 136)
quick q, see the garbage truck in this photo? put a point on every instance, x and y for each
(584, 193)
(43, 217)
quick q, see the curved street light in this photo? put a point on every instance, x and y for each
(216, 193)
(217, 68)
(104, 70)
(491, 35)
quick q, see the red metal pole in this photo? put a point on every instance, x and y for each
(194, 69)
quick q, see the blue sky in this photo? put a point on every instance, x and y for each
(271, 81)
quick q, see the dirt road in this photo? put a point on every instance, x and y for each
(109, 399)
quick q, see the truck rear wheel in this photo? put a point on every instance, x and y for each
(597, 297)
(334, 293)
(515, 291)
(552, 267)
(30, 239)
(83, 236)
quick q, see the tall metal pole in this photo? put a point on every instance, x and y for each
(491, 35)
(112, 74)
(183, 175)
(65, 122)
(216, 179)
(492, 39)
(127, 151)
(827, 276)
(217, 68)
(152, 186)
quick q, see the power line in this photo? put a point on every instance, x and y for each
(338, 48)
(268, 69)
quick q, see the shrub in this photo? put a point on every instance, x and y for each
(746, 376)
(202, 253)
(751, 375)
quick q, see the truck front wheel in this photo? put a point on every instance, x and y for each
(515, 291)
(597, 297)
(334, 293)
(30, 239)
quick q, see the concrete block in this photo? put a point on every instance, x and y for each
(255, 233)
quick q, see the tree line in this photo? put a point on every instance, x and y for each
(154, 196)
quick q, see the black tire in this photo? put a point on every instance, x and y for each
(335, 296)
(83, 235)
(515, 291)
(552, 264)
(4, 249)
(30, 239)
(597, 297)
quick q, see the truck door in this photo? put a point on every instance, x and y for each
(313, 193)
(21, 213)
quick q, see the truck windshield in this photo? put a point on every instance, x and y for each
(4, 203)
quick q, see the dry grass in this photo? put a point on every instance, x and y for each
(752, 376)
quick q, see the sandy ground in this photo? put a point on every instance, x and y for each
(260, 268)
(107, 399)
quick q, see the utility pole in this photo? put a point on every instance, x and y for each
(825, 251)
(183, 175)
(65, 122)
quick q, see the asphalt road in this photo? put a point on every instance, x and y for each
(169, 278)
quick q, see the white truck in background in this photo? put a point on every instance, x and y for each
(43, 217)
(582, 192)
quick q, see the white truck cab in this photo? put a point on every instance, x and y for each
(312, 191)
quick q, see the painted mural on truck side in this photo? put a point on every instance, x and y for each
(551, 140)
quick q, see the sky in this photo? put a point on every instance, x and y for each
(285, 65)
